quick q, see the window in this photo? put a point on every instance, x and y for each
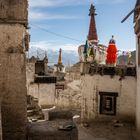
(39, 68)
(108, 103)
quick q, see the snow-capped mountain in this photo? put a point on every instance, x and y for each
(69, 57)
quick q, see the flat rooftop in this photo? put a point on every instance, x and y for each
(120, 70)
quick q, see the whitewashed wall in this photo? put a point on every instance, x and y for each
(70, 98)
(44, 92)
(126, 100)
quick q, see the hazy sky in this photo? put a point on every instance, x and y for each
(70, 18)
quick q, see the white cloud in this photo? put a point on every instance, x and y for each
(109, 1)
(55, 3)
(37, 4)
(35, 15)
(44, 45)
(60, 3)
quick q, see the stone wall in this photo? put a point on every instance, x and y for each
(126, 100)
(69, 98)
(13, 81)
(73, 76)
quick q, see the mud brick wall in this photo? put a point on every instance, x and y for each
(13, 18)
(0, 122)
(13, 11)
(13, 81)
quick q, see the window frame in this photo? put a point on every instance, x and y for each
(112, 95)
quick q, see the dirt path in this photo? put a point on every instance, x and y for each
(107, 131)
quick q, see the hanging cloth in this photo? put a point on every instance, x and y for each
(86, 47)
(112, 52)
(85, 50)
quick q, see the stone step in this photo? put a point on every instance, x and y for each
(34, 112)
(35, 118)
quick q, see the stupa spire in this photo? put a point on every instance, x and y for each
(92, 35)
(60, 57)
(46, 57)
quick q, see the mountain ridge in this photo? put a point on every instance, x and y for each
(69, 57)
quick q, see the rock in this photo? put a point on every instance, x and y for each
(76, 119)
(85, 124)
(117, 123)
